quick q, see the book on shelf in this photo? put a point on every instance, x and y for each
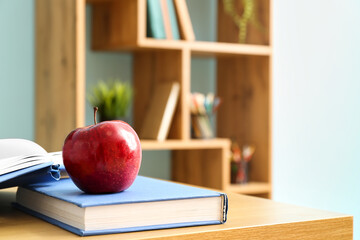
(23, 161)
(161, 110)
(155, 27)
(148, 204)
(161, 20)
(186, 28)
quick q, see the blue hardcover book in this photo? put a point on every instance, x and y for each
(155, 23)
(148, 204)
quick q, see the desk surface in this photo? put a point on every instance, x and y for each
(248, 218)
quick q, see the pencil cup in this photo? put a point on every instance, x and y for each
(201, 126)
(239, 172)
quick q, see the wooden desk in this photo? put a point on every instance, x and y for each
(248, 218)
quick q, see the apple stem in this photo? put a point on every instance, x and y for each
(95, 111)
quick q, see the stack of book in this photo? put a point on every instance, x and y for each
(148, 204)
(169, 19)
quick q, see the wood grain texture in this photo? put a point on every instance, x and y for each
(114, 23)
(243, 84)
(202, 167)
(248, 218)
(59, 71)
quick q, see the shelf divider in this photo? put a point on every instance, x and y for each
(250, 188)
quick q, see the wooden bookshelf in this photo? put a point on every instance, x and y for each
(243, 82)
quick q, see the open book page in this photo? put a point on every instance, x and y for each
(18, 154)
(56, 157)
(16, 147)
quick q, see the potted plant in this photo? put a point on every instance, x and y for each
(113, 98)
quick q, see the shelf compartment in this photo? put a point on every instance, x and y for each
(151, 68)
(185, 144)
(207, 167)
(111, 31)
(202, 162)
(250, 188)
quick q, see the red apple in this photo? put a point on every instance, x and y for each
(104, 157)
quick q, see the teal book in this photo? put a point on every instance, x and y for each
(148, 204)
(154, 20)
(173, 20)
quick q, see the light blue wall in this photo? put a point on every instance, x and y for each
(316, 105)
(17, 69)
(203, 70)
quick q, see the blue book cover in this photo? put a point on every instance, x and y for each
(155, 23)
(44, 172)
(143, 191)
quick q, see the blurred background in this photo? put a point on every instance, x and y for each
(315, 94)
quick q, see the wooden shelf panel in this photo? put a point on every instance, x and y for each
(219, 48)
(185, 144)
(197, 48)
(96, 1)
(250, 188)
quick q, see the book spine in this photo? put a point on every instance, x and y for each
(169, 112)
(225, 207)
(155, 23)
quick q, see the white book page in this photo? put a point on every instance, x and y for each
(21, 166)
(17, 154)
(19, 147)
(56, 157)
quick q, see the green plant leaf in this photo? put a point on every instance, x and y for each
(112, 97)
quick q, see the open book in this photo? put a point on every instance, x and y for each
(23, 161)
